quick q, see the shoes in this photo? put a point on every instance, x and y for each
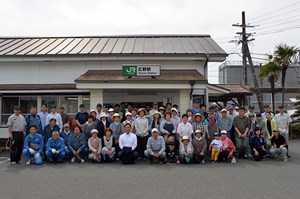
(233, 161)
(28, 162)
(203, 162)
(285, 160)
(82, 160)
(73, 160)
(13, 163)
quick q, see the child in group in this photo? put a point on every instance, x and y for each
(171, 154)
(215, 147)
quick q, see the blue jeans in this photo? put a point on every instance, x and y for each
(275, 152)
(105, 156)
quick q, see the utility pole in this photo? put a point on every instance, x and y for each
(247, 56)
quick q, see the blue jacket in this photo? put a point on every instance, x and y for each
(58, 145)
(257, 142)
(48, 131)
(34, 120)
(77, 143)
(65, 136)
(36, 140)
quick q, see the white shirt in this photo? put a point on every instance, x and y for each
(282, 120)
(128, 140)
(185, 129)
(57, 117)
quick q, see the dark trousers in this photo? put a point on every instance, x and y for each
(261, 154)
(198, 158)
(141, 145)
(17, 148)
(128, 158)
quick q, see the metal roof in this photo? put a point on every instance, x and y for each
(116, 76)
(110, 45)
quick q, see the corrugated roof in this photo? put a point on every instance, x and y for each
(235, 88)
(127, 44)
(116, 76)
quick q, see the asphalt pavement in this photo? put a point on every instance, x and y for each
(246, 179)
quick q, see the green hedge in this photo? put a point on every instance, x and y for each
(296, 129)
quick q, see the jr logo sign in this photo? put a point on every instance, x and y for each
(129, 70)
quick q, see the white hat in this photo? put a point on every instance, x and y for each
(223, 132)
(156, 112)
(116, 115)
(92, 111)
(174, 109)
(154, 130)
(128, 113)
(94, 131)
(110, 110)
(198, 131)
(185, 138)
(103, 114)
(223, 110)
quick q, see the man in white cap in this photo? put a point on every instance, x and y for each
(103, 124)
(155, 147)
(225, 123)
(141, 131)
(117, 127)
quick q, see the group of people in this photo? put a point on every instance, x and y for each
(159, 134)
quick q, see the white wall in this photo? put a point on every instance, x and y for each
(51, 72)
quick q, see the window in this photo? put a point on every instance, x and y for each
(8, 104)
(70, 103)
(50, 101)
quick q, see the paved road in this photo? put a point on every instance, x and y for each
(247, 179)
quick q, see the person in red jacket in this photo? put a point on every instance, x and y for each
(228, 149)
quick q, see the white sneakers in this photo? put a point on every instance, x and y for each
(233, 161)
(28, 162)
(73, 160)
(13, 163)
(82, 160)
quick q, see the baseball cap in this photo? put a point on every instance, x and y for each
(251, 107)
(81, 106)
(17, 107)
(223, 132)
(99, 105)
(66, 125)
(266, 106)
(223, 110)
(197, 101)
(280, 107)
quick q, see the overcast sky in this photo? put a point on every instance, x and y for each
(98, 17)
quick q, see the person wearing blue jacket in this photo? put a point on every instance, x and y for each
(65, 134)
(257, 144)
(33, 146)
(49, 129)
(55, 148)
(77, 145)
(34, 119)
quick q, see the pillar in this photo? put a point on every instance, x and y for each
(96, 96)
(184, 97)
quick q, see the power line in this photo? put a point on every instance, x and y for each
(276, 16)
(271, 22)
(278, 30)
(266, 27)
(275, 10)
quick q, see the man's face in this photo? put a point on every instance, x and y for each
(82, 109)
(17, 112)
(230, 111)
(33, 111)
(276, 133)
(111, 113)
(103, 118)
(90, 120)
(198, 135)
(196, 105)
(55, 136)
(203, 108)
(268, 116)
(76, 131)
(127, 129)
(117, 108)
(210, 115)
(122, 106)
(32, 130)
(251, 110)
(53, 110)
(155, 106)
(216, 109)
(61, 110)
(44, 108)
(99, 109)
(67, 128)
(224, 113)
(184, 119)
(258, 118)
(281, 110)
(241, 112)
(53, 123)
(171, 147)
(169, 107)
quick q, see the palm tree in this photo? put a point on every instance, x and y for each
(271, 71)
(283, 55)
